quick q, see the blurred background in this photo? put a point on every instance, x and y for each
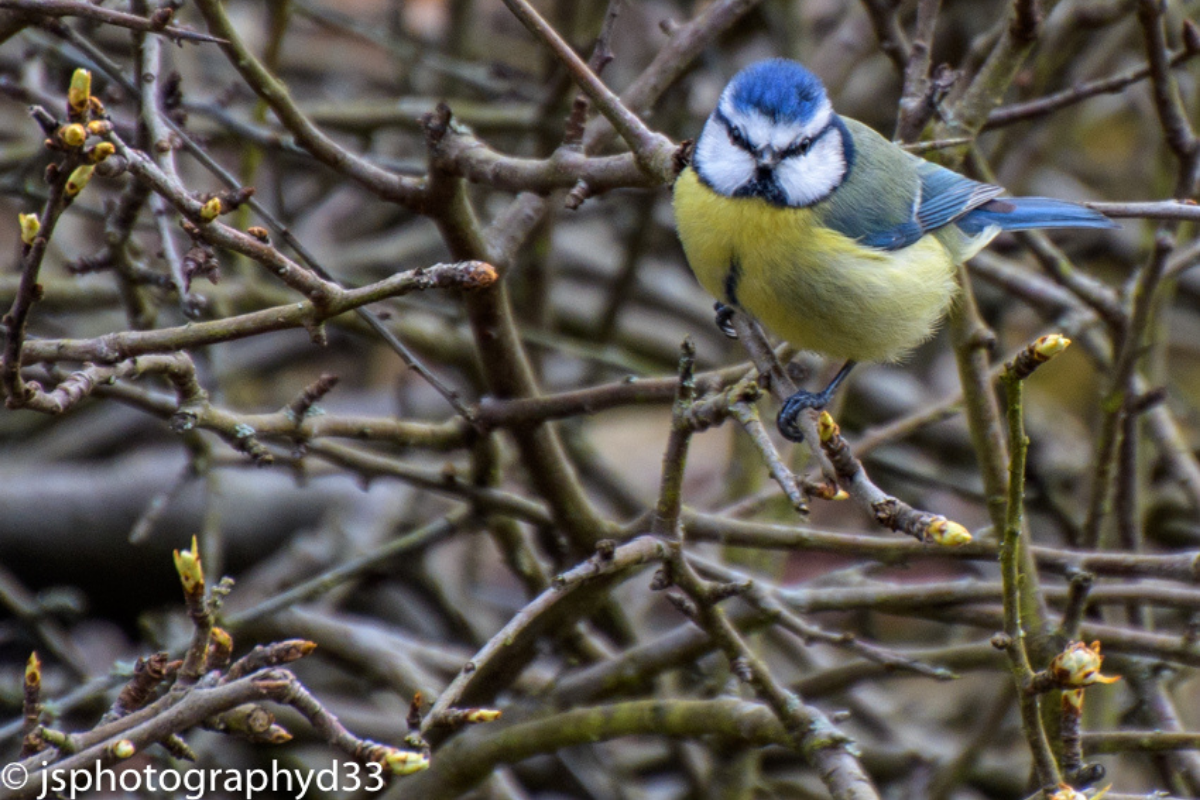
(92, 502)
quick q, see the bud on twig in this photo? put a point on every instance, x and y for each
(33, 672)
(32, 707)
(79, 179)
(826, 427)
(211, 209)
(80, 91)
(100, 152)
(191, 571)
(30, 225)
(1065, 792)
(405, 762)
(947, 533)
(72, 135)
(220, 649)
(1077, 667)
(122, 749)
(1036, 354)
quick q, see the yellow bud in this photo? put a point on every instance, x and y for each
(1079, 666)
(33, 671)
(1050, 345)
(840, 495)
(826, 427)
(405, 762)
(99, 127)
(825, 491)
(191, 571)
(30, 225)
(221, 638)
(73, 135)
(211, 210)
(260, 233)
(123, 749)
(101, 152)
(80, 91)
(277, 734)
(79, 179)
(477, 715)
(948, 534)
(1066, 792)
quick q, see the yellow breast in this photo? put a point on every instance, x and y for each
(811, 285)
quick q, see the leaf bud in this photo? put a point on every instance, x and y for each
(30, 225)
(80, 91)
(191, 571)
(947, 533)
(73, 135)
(78, 179)
(211, 209)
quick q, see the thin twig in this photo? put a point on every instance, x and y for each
(1045, 767)
(156, 23)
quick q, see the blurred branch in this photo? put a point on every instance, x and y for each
(114, 347)
(1174, 118)
(468, 759)
(406, 191)
(1034, 109)
(884, 16)
(969, 113)
(654, 153)
(1162, 209)
(156, 23)
(918, 100)
(607, 562)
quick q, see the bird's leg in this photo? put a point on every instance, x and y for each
(724, 318)
(790, 413)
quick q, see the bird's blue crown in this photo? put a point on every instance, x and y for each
(779, 89)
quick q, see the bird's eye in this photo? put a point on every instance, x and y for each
(798, 148)
(739, 138)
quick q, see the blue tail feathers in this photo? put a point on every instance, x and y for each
(1026, 213)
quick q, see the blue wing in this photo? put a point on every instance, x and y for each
(947, 196)
(943, 197)
(898, 209)
(891, 198)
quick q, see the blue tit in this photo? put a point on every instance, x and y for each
(835, 238)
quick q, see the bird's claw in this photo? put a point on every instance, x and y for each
(789, 414)
(724, 319)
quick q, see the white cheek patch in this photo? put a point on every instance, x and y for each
(806, 179)
(721, 164)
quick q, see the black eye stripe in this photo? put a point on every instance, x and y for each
(804, 145)
(735, 134)
(798, 148)
(738, 137)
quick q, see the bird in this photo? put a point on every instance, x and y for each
(835, 238)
